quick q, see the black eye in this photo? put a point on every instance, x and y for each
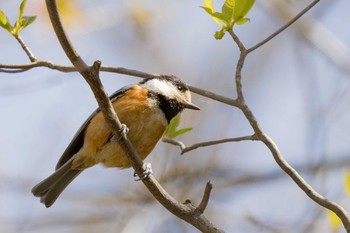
(180, 87)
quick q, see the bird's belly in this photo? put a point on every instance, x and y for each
(145, 130)
(146, 123)
(144, 138)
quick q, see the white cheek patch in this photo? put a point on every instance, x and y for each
(162, 87)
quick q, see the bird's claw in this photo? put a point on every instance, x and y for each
(124, 130)
(147, 171)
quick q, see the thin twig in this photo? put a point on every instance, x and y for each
(29, 53)
(175, 143)
(238, 76)
(238, 41)
(214, 96)
(283, 27)
(120, 70)
(317, 33)
(185, 149)
(205, 199)
(11, 68)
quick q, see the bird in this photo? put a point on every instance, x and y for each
(146, 109)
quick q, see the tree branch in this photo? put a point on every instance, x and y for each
(289, 170)
(315, 196)
(8, 68)
(311, 5)
(205, 198)
(185, 149)
(29, 53)
(184, 212)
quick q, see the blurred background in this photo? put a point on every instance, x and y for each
(297, 86)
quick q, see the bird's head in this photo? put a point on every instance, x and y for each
(171, 93)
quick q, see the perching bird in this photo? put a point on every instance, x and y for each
(145, 108)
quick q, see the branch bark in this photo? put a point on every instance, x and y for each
(263, 137)
(8, 68)
(185, 149)
(187, 212)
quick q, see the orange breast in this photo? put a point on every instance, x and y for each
(146, 123)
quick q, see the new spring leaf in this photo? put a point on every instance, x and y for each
(172, 131)
(4, 23)
(232, 12)
(21, 23)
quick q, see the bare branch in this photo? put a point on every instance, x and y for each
(92, 77)
(9, 68)
(238, 41)
(315, 196)
(317, 33)
(120, 70)
(205, 199)
(175, 143)
(309, 191)
(214, 96)
(238, 76)
(29, 53)
(185, 149)
(283, 27)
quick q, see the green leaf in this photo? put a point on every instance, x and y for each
(209, 4)
(227, 9)
(172, 125)
(26, 21)
(249, 4)
(179, 132)
(233, 12)
(241, 9)
(4, 23)
(22, 21)
(215, 15)
(171, 131)
(21, 9)
(242, 21)
(18, 23)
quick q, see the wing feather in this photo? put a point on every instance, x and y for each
(78, 139)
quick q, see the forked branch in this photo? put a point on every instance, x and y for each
(263, 137)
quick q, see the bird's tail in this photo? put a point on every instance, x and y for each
(49, 189)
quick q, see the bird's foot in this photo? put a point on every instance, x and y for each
(147, 171)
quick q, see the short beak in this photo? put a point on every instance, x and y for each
(189, 105)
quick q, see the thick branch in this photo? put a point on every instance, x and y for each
(191, 215)
(315, 196)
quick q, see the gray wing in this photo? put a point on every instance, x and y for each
(78, 139)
